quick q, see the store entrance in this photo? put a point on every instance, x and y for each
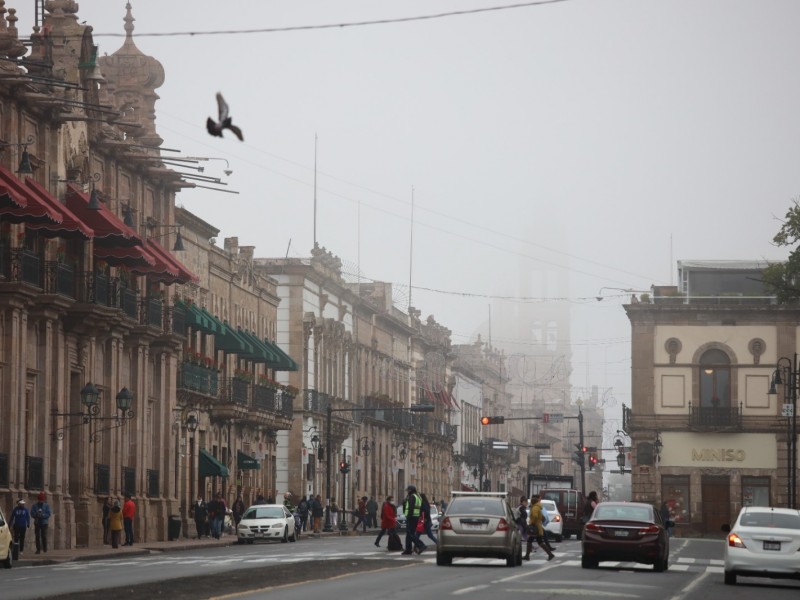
(716, 502)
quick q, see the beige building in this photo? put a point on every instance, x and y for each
(707, 436)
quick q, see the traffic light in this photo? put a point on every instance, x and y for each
(592, 460)
(580, 455)
(344, 467)
(492, 420)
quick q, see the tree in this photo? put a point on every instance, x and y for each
(783, 278)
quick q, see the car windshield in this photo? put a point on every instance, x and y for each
(549, 505)
(770, 519)
(264, 512)
(624, 513)
(476, 506)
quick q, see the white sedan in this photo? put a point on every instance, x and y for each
(555, 523)
(266, 522)
(763, 542)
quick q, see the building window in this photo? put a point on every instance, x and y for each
(3, 470)
(34, 473)
(129, 480)
(715, 378)
(102, 479)
(152, 483)
(755, 491)
(675, 494)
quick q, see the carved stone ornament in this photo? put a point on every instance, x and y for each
(757, 346)
(673, 347)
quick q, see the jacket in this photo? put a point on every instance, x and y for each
(41, 513)
(388, 516)
(535, 518)
(20, 517)
(128, 509)
(200, 512)
(115, 518)
(412, 506)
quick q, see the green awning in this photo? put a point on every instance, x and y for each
(230, 341)
(213, 321)
(285, 362)
(210, 466)
(245, 462)
(266, 354)
(197, 319)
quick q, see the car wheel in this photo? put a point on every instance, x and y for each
(443, 560)
(519, 556)
(9, 561)
(559, 538)
(511, 560)
(660, 565)
(293, 537)
(730, 578)
(250, 542)
(285, 537)
(240, 541)
(588, 563)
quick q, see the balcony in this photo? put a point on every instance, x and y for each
(59, 279)
(715, 417)
(198, 379)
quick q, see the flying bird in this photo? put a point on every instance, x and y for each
(215, 128)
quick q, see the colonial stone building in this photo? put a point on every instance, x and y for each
(707, 436)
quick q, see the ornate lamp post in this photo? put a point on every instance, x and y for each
(786, 375)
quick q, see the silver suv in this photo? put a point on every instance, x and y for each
(479, 524)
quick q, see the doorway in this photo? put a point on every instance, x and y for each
(716, 502)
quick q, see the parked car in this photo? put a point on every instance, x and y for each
(266, 521)
(763, 542)
(570, 504)
(555, 523)
(479, 524)
(626, 531)
(435, 518)
(6, 542)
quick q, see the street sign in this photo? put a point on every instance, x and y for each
(542, 446)
(499, 445)
(787, 410)
(545, 457)
(556, 417)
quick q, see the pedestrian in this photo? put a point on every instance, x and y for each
(664, 513)
(217, 516)
(41, 514)
(388, 519)
(536, 529)
(199, 512)
(372, 512)
(128, 514)
(106, 521)
(287, 502)
(302, 510)
(412, 508)
(317, 512)
(260, 499)
(444, 506)
(115, 523)
(428, 522)
(522, 519)
(20, 521)
(588, 508)
(335, 514)
(361, 514)
(237, 508)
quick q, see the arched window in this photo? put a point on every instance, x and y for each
(715, 379)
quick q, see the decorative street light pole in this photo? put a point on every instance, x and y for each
(786, 375)
(329, 447)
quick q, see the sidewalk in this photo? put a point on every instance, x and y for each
(51, 557)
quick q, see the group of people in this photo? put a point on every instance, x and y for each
(531, 522)
(20, 521)
(417, 510)
(209, 517)
(118, 517)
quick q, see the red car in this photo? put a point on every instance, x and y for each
(626, 532)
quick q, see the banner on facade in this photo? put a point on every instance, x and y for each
(244, 462)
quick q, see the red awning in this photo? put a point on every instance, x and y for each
(134, 257)
(22, 206)
(109, 230)
(167, 269)
(71, 226)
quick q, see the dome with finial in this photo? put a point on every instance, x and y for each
(136, 76)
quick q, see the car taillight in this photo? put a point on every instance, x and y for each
(446, 524)
(650, 529)
(557, 519)
(734, 541)
(593, 527)
(502, 525)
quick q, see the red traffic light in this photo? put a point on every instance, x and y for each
(492, 420)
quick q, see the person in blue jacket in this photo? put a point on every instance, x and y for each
(41, 514)
(20, 523)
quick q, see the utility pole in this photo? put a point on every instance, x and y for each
(583, 462)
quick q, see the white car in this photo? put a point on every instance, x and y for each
(266, 522)
(435, 518)
(555, 524)
(6, 542)
(763, 542)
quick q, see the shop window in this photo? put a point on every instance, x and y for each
(755, 491)
(675, 494)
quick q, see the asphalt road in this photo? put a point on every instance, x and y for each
(352, 568)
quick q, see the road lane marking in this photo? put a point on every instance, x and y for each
(469, 590)
(691, 586)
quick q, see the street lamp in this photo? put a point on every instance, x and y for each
(786, 375)
(329, 446)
